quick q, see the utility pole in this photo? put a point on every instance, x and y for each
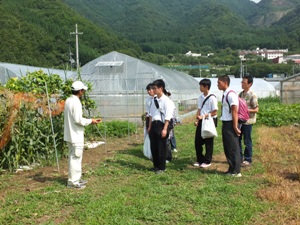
(200, 68)
(241, 72)
(77, 51)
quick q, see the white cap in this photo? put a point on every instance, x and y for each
(78, 85)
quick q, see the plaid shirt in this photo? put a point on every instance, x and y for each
(252, 103)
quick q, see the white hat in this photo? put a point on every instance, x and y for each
(78, 85)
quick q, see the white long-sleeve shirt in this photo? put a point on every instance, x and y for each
(73, 121)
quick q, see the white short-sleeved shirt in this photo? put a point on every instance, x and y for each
(210, 105)
(73, 121)
(233, 100)
(165, 110)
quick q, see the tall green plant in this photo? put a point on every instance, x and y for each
(32, 140)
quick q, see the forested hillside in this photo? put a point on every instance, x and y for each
(163, 27)
(37, 32)
(269, 12)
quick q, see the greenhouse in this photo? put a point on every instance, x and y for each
(119, 85)
(8, 70)
(290, 89)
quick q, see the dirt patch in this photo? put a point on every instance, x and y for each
(39, 178)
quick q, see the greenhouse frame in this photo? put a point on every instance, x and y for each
(290, 90)
(9, 70)
(119, 85)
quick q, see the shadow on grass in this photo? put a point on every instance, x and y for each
(131, 164)
(134, 152)
(39, 177)
(177, 164)
(185, 165)
(292, 176)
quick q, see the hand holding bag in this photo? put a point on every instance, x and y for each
(208, 129)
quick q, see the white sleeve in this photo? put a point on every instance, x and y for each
(214, 103)
(77, 116)
(233, 99)
(199, 102)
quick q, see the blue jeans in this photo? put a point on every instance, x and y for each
(173, 141)
(246, 131)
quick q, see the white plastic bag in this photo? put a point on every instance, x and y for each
(208, 129)
(147, 148)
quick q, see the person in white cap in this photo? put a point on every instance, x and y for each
(74, 134)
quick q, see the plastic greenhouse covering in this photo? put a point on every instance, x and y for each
(116, 73)
(119, 84)
(8, 70)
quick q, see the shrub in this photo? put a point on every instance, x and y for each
(26, 134)
(111, 129)
(273, 113)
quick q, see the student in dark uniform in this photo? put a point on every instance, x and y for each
(161, 112)
(230, 127)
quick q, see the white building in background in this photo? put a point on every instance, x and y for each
(295, 58)
(189, 53)
(286, 58)
(263, 53)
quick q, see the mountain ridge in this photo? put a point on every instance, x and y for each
(37, 32)
(216, 23)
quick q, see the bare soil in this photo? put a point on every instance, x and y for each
(38, 178)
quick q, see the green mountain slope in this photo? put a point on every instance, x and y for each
(169, 27)
(269, 12)
(242, 8)
(290, 23)
(35, 32)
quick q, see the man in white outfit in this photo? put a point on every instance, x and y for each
(74, 134)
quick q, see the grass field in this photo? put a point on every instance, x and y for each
(122, 190)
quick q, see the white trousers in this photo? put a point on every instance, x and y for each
(75, 160)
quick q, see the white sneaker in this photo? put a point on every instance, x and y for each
(205, 165)
(174, 150)
(76, 186)
(83, 182)
(236, 174)
(167, 161)
(196, 164)
(245, 163)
